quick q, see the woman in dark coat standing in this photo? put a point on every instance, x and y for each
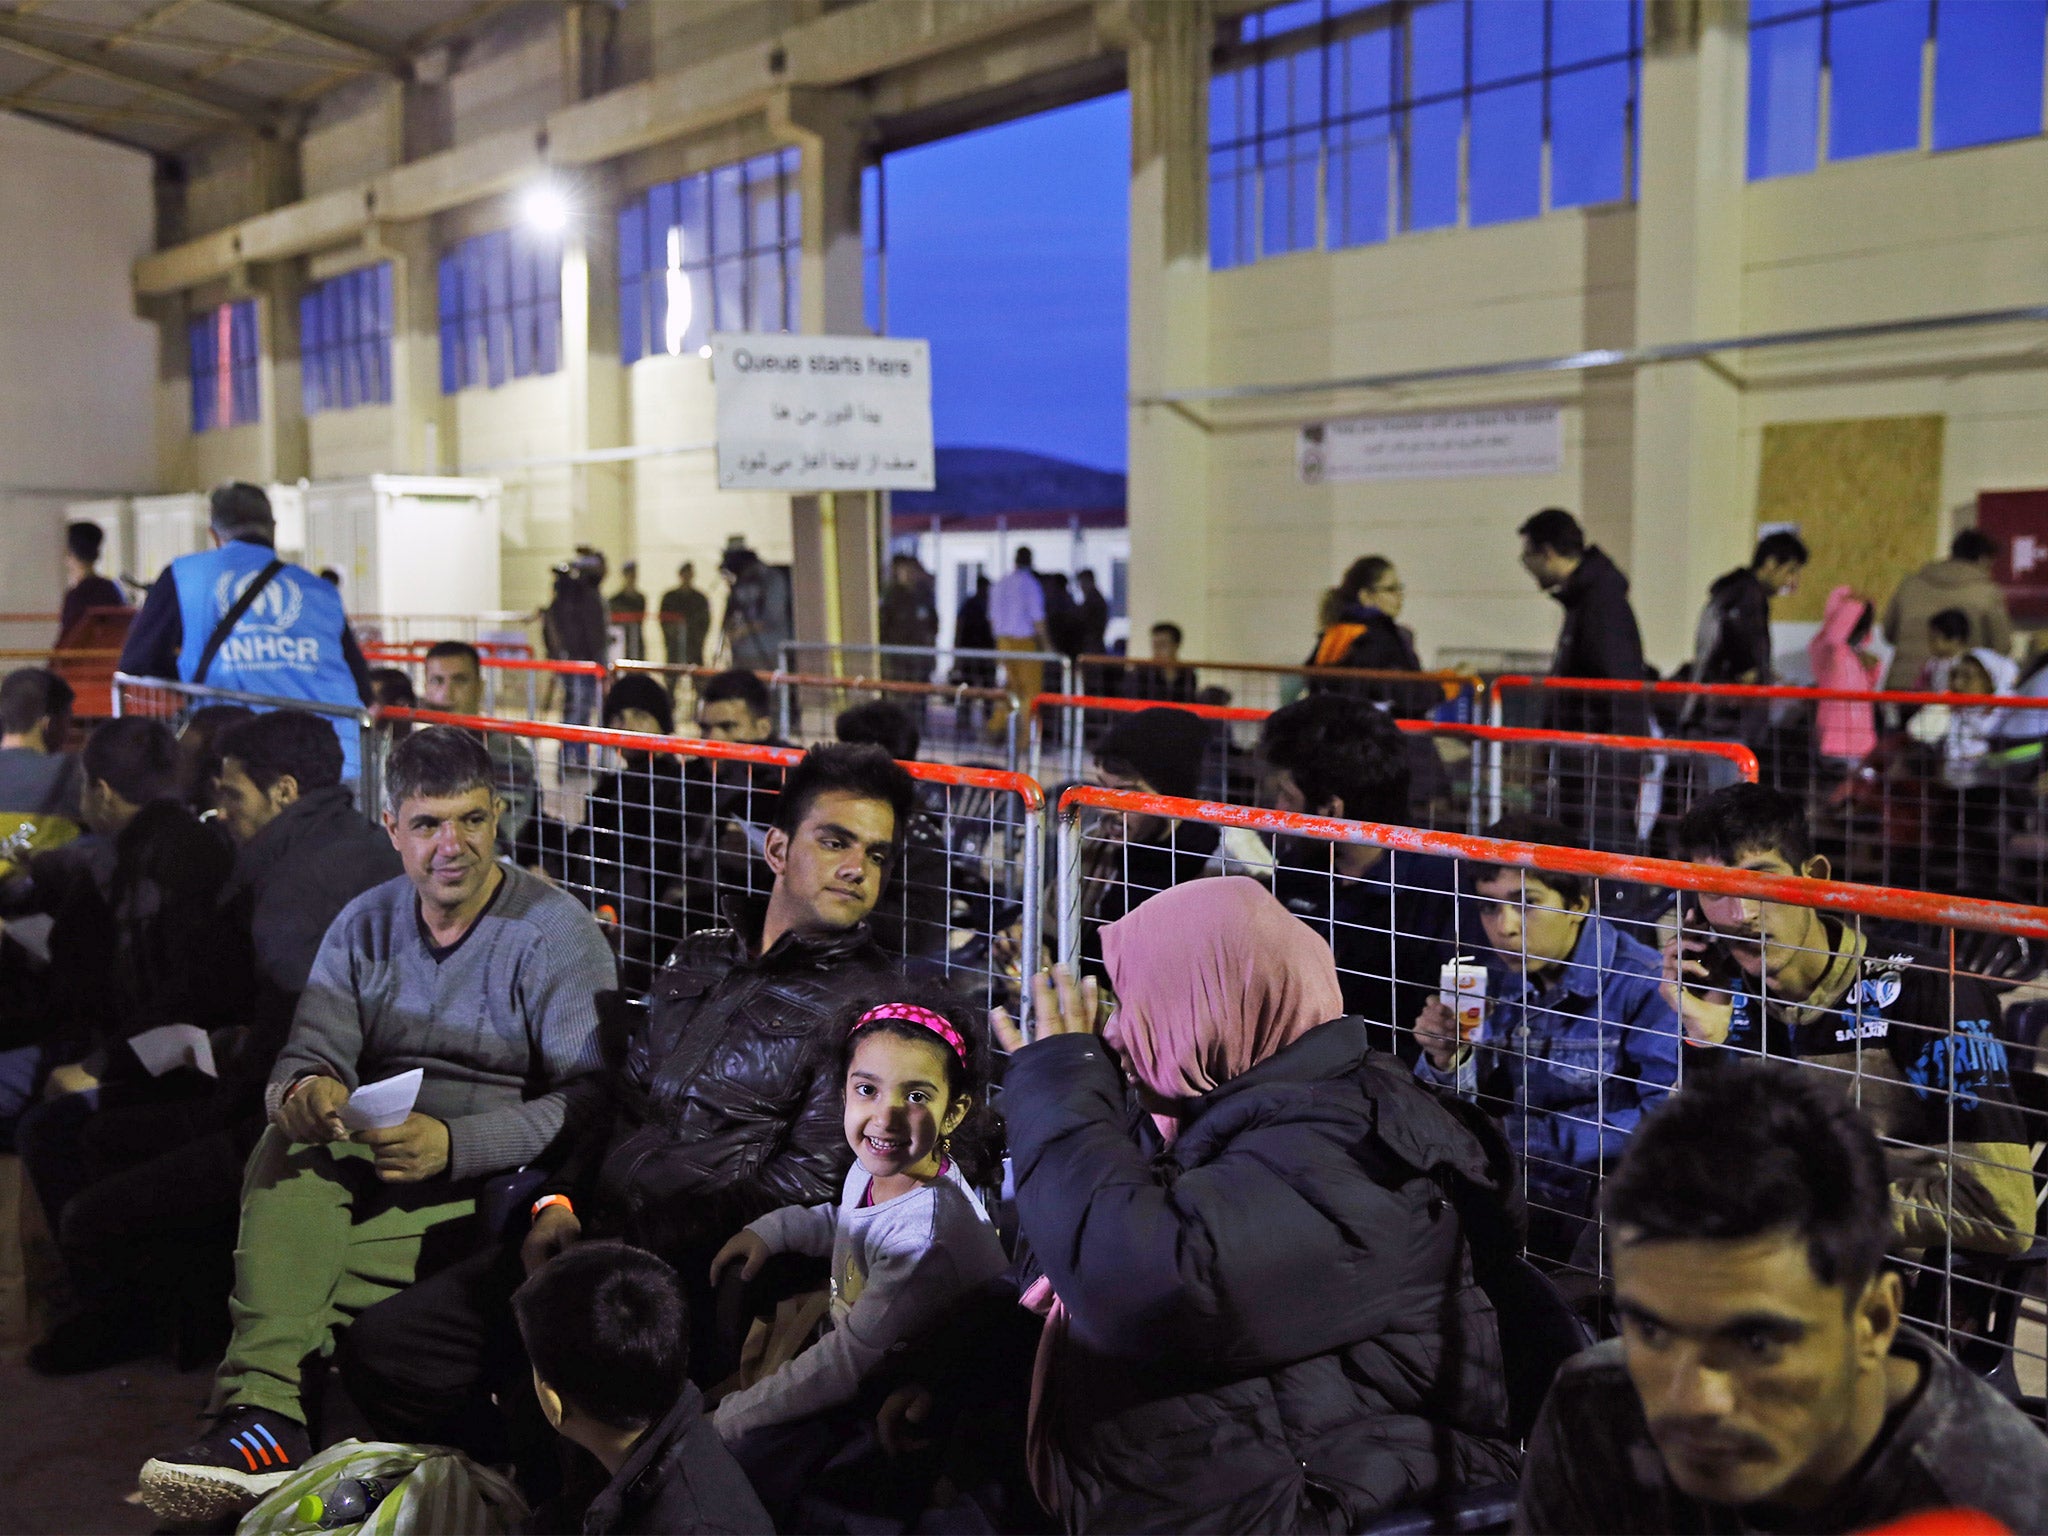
(1262, 1315)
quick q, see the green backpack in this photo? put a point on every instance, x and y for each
(438, 1492)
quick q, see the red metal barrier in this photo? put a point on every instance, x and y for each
(1902, 1010)
(657, 833)
(1617, 792)
(1903, 787)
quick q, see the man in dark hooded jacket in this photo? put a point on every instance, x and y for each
(1733, 640)
(1598, 639)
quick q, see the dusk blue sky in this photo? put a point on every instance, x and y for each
(1007, 249)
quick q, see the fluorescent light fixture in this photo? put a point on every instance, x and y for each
(546, 208)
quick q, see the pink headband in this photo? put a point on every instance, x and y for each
(910, 1013)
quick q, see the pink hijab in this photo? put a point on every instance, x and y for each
(1211, 978)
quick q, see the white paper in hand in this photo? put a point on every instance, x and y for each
(379, 1106)
(173, 1045)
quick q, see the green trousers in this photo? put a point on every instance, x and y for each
(322, 1238)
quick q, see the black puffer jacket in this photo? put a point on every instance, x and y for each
(1274, 1323)
(1599, 638)
(726, 1107)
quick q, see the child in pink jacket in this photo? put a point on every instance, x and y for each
(1845, 731)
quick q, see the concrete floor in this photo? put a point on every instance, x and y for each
(70, 1449)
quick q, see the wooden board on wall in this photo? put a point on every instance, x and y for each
(1866, 495)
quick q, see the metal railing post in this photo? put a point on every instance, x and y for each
(1494, 751)
(1067, 886)
(1033, 935)
(784, 722)
(1011, 746)
(371, 756)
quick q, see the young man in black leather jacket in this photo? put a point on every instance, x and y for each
(722, 1108)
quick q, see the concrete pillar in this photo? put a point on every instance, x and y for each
(1168, 495)
(1693, 519)
(421, 424)
(285, 451)
(594, 382)
(835, 538)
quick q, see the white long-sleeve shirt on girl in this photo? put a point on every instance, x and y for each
(897, 1268)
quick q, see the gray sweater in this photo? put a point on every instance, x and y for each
(500, 1026)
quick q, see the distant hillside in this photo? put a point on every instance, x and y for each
(988, 482)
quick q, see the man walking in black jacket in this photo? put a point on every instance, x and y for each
(724, 1106)
(1598, 639)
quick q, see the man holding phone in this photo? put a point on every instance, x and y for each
(1914, 1041)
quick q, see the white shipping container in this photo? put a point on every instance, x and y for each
(407, 544)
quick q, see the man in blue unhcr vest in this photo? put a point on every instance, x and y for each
(292, 641)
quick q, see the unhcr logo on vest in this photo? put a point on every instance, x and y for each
(262, 638)
(277, 606)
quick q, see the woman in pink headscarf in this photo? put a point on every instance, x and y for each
(1265, 1316)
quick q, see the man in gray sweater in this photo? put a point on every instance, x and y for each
(485, 980)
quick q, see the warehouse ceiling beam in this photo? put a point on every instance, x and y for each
(357, 41)
(229, 106)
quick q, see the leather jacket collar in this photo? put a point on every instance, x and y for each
(745, 915)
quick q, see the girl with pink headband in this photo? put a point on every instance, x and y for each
(908, 1238)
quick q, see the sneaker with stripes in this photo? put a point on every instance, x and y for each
(248, 1452)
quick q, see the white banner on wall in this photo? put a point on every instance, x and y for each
(1433, 445)
(823, 413)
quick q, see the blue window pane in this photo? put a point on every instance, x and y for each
(693, 294)
(728, 295)
(1784, 98)
(633, 239)
(1359, 170)
(693, 221)
(728, 217)
(1436, 48)
(448, 305)
(1288, 18)
(1362, 76)
(1287, 195)
(1761, 11)
(1874, 78)
(1589, 126)
(792, 287)
(1507, 153)
(1507, 40)
(1229, 218)
(1581, 30)
(1432, 201)
(1226, 90)
(1987, 72)
(764, 284)
(310, 394)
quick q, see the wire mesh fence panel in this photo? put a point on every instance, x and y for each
(948, 724)
(661, 836)
(1617, 793)
(1568, 991)
(505, 627)
(1933, 791)
(198, 713)
(1022, 672)
(1257, 685)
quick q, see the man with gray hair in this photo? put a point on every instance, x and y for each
(235, 616)
(482, 979)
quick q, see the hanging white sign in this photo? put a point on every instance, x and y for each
(1433, 445)
(823, 413)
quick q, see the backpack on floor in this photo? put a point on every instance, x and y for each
(439, 1492)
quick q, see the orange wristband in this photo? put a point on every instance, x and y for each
(547, 1200)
